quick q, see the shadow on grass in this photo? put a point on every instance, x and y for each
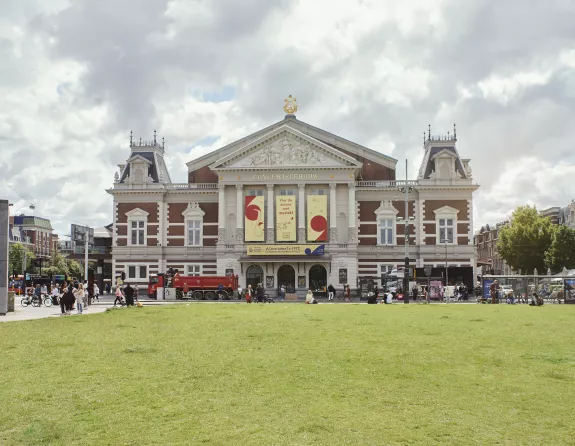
(141, 350)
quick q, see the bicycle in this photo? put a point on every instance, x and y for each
(36, 301)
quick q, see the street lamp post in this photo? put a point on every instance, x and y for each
(406, 190)
(445, 241)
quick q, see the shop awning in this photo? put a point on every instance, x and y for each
(285, 259)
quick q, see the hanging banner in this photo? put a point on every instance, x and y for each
(317, 218)
(254, 219)
(286, 230)
(285, 250)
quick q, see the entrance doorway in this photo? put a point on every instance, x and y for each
(317, 280)
(254, 275)
(286, 277)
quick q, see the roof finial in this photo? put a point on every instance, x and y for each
(140, 140)
(154, 137)
(290, 106)
(448, 136)
(454, 132)
(162, 142)
(130, 138)
(424, 139)
(429, 131)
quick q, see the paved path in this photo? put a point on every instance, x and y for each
(27, 313)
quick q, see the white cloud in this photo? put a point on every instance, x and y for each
(78, 76)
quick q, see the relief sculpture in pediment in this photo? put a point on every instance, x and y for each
(287, 152)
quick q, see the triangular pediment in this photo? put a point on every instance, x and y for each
(139, 159)
(286, 147)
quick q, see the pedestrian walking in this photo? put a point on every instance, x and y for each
(330, 292)
(347, 293)
(67, 299)
(96, 292)
(136, 292)
(282, 292)
(119, 296)
(240, 292)
(249, 293)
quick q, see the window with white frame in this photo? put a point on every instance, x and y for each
(137, 272)
(386, 216)
(194, 269)
(255, 193)
(194, 221)
(285, 192)
(137, 222)
(386, 231)
(318, 192)
(194, 232)
(445, 230)
(446, 221)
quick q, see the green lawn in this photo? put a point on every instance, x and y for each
(291, 374)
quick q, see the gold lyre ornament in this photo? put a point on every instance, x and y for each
(290, 106)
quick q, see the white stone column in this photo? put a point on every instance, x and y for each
(221, 213)
(239, 213)
(270, 233)
(352, 231)
(301, 213)
(332, 214)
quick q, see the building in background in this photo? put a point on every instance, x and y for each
(561, 215)
(34, 232)
(488, 259)
(294, 205)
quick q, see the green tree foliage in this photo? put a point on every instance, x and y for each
(525, 240)
(561, 253)
(75, 269)
(16, 258)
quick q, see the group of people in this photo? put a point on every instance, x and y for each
(126, 295)
(70, 294)
(250, 294)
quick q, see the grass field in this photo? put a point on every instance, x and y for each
(291, 374)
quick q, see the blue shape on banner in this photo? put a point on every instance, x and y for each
(319, 251)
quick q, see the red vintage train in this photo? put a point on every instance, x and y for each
(194, 287)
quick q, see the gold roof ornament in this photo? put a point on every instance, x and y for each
(290, 106)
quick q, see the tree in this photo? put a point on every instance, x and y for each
(75, 270)
(525, 240)
(16, 258)
(561, 253)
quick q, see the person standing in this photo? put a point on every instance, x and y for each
(330, 292)
(80, 296)
(68, 299)
(129, 293)
(240, 292)
(96, 292)
(347, 293)
(55, 294)
(414, 293)
(249, 293)
(260, 293)
(282, 292)
(136, 292)
(220, 292)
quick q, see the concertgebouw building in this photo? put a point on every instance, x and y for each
(295, 205)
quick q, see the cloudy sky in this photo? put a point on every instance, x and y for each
(77, 75)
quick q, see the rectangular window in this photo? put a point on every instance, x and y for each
(255, 193)
(318, 192)
(194, 270)
(446, 230)
(194, 233)
(386, 232)
(138, 232)
(136, 272)
(285, 192)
